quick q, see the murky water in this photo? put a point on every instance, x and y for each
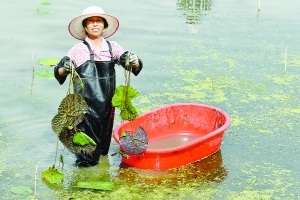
(172, 141)
(223, 53)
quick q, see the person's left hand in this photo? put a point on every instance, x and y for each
(133, 59)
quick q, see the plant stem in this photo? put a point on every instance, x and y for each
(32, 60)
(35, 179)
(285, 62)
(56, 151)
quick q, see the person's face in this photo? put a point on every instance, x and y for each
(94, 27)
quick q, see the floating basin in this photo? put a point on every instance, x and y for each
(178, 134)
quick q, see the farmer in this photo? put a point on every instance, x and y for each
(94, 60)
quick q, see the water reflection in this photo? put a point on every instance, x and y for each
(194, 10)
(210, 169)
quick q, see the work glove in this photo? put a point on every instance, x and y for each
(133, 59)
(68, 67)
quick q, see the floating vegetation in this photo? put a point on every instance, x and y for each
(21, 190)
(96, 185)
(45, 3)
(48, 61)
(44, 13)
(122, 99)
(70, 111)
(52, 175)
(46, 74)
(134, 144)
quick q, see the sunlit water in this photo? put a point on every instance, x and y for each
(223, 53)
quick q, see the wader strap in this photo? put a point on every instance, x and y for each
(92, 55)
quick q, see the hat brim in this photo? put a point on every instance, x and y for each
(77, 31)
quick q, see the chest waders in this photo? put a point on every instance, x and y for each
(99, 82)
(99, 85)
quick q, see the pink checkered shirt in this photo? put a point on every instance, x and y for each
(80, 53)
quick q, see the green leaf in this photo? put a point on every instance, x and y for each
(44, 74)
(48, 61)
(52, 175)
(70, 109)
(96, 185)
(122, 99)
(45, 3)
(123, 134)
(21, 190)
(82, 139)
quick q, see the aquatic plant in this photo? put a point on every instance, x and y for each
(124, 94)
(122, 100)
(45, 3)
(70, 113)
(52, 175)
(48, 61)
(130, 143)
(134, 144)
(82, 139)
(21, 190)
(43, 73)
(96, 185)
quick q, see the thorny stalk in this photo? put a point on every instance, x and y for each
(72, 81)
(35, 179)
(32, 60)
(127, 71)
(56, 151)
(285, 59)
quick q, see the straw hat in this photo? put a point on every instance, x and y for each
(77, 31)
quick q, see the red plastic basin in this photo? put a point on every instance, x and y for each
(178, 134)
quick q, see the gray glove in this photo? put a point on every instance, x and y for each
(68, 67)
(133, 59)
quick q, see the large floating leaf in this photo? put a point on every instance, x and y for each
(21, 190)
(52, 175)
(49, 61)
(70, 110)
(45, 3)
(96, 185)
(122, 99)
(134, 144)
(44, 74)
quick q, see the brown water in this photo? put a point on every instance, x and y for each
(172, 141)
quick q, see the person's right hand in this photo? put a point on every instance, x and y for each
(68, 67)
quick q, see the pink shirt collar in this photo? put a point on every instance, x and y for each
(103, 48)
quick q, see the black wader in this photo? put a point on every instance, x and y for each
(99, 81)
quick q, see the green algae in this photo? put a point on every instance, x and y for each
(96, 185)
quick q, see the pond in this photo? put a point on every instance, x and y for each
(240, 56)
